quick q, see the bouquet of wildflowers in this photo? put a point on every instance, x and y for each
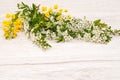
(42, 23)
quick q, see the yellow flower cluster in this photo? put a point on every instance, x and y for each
(47, 11)
(11, 26)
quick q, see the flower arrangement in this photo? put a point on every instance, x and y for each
(41, 23)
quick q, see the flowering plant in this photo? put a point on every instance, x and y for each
(12, 26)
(53, 23)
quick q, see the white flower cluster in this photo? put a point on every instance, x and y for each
(89, 31)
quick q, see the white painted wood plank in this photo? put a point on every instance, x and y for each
(68, 71)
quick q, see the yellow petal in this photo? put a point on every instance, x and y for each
(69, 16)
(61, 10)
(13, 16)
(55, 6)
(18, 21)
(59, 18)
(65, 10)
(50, 9)
(8, 15)
(6, 23)
(18, 28)
(9, 22)
(14, 35)
(47, 14)
(44, 8)
(5, 29)
(6, 35)
(59, 13)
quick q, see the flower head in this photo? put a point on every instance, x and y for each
(8, 15)
(18, 21)
(6, 23)
(55, 6)
(50, 9)
(18, 28)
(65, 10)
(11, 26)
(5, 29)
(6, 35)
(47, 14)
(61, 10)
(44, 8)
(13, 16)
(69, 16)
(59, 18)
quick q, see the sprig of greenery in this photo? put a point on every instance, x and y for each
(107, 31)
(50, 24)
(40, 24)
(35, 20)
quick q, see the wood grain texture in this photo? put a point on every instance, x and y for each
(20, 59)
(72, 71)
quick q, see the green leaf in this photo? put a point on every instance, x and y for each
(96, 22)
(72, 34)
(63, 28)
(92, 35)
(49, 24)
(91, 28)
(36, 28)
(60, 39)
(108, 38)
(81, 34)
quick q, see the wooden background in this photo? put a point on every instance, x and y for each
(20, 59)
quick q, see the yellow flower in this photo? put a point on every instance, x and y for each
(59, 18)
(6, 23)
(65, 10)
(59, 13)
(18, 21)
(9, 22)
(13, 16)
(5, 29)
(14, 35)
(50, 9)
(61, 10)
(15, 23)
(44, 8)
(19, 27)
(69, 16)
(47, 14)
(14, 31)
(10, 30)
(8, 15)
(6, 35)
(55, 6)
